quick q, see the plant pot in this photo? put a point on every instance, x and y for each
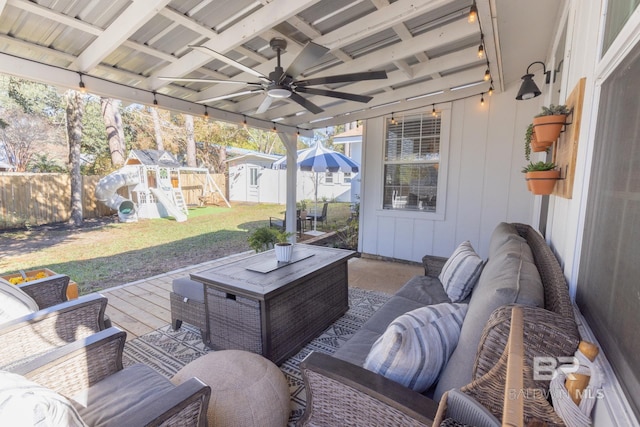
(542, 182)
(537, 146)
(283, 251)
(526, 179)
(548, 128)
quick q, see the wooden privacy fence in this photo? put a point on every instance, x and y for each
(45, 198)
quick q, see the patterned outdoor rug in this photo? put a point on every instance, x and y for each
(167, 351)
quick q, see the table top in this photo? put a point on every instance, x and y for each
(241, 278)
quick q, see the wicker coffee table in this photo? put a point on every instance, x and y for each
(274, 309)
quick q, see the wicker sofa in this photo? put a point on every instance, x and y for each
(521, 270)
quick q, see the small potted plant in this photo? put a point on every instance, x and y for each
(541, 177)
(548, 124)
(283, 247)
(263, 239)
(531, 143)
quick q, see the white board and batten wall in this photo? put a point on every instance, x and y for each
(482, 154)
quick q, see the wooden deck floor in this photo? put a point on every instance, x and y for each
(143, 306)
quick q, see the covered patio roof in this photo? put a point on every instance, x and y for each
(122, 48)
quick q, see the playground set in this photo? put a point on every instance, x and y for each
(152, 184)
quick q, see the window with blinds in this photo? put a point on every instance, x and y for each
(608, 291)
(411, 162)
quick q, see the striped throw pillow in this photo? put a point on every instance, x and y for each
(461, 272)
(416, 346)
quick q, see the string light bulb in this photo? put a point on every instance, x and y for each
(393, 120)
(482, 98)
(473, 13)
(206, 113)
(83, 88)
(481, 47)
(487, 74)
(274, 128)
(491, 88)
(297, 131)
(433, 110)
(155, 100)
(244, 121)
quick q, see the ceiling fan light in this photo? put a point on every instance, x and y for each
(279, 92)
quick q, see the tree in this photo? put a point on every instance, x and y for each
(191, 142)
(157, 127)
(115, 131)
(23, 136)
(74, 132)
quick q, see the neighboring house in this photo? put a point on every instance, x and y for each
(5, 162)
(251, 179)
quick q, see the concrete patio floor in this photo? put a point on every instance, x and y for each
(143, 306)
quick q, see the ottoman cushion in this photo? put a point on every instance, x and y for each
(188, 288)
(246, 388)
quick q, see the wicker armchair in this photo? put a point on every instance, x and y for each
(47, 291)
(80, 368)
(49, 328)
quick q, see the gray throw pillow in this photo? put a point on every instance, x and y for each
(461, 272)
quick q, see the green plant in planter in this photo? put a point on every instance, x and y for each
(527, 142)
(282, 236)
(539, 167)
(554, 110)
(263, 238)
(302, 205)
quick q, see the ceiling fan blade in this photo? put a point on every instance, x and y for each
(343, 78)
(305, 103)
(204, 80)
(308, 56)
(334, 94)
(230, 95)
(230, 61)
(264, 106)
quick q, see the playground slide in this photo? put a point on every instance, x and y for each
(106, 193)
(171, 208)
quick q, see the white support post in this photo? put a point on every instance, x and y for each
(290, 142)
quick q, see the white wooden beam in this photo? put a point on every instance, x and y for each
(69, 21)
(68, 79)
(445, 83)
(127, 22)
(372, 23)
(263, 19)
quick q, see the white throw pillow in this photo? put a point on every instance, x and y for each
(416, 346)
(14, 302)
(24, 403)
(461, 272)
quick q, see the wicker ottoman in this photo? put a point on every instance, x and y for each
(246, 388)
(187, 304)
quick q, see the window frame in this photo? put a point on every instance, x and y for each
(254, 176)
(444, 114)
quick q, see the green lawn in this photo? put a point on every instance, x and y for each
(111, 254)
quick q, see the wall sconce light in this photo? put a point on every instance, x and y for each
(83, 88)
(529, 89)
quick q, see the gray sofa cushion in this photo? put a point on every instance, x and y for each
(188, 288)
(417, 292)
(510, 276)
(112, 397)
(501, 235)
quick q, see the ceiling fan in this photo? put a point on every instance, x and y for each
(281, 84)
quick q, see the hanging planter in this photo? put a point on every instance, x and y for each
(548, 124)
(541, 177)
(537, 146)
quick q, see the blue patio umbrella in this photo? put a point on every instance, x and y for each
(320, 159)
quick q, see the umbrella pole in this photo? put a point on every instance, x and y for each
(315, 214)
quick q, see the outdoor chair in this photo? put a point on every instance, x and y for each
(41, 331)
(282, 223)
(47, 291)
(319, 218)
(90, 376)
